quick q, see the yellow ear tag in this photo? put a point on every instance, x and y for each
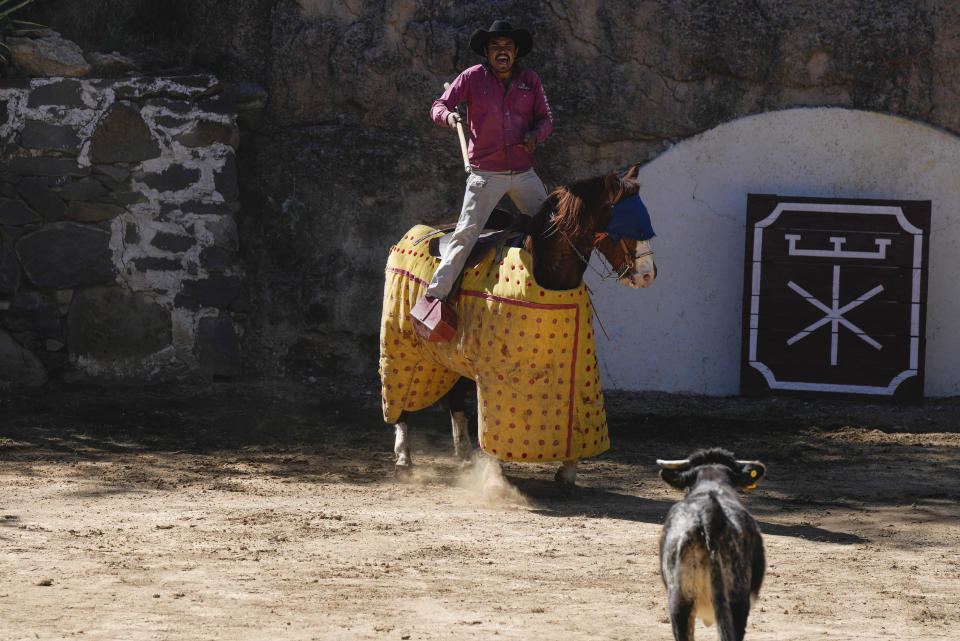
(753, 475)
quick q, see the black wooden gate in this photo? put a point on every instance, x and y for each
(835, 296)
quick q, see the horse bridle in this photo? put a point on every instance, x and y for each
(630, 259)
(629, 264)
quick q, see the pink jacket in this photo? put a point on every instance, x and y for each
(498, 119)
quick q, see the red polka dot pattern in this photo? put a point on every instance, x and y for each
(529, 381)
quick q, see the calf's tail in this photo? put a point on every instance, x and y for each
(715, 526)
(713, 522)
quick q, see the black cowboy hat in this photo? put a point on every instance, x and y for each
(502, 29)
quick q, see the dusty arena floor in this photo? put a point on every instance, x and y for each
(251, 511)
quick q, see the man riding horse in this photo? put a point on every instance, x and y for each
(508, 115)
(525, 335)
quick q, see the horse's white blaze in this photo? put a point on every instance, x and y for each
(644, 269)
(461, 435)
(401, 446)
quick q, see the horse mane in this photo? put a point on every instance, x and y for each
(565, 209)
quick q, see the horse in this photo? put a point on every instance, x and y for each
(548, 266)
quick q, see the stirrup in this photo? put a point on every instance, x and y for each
(434, 320)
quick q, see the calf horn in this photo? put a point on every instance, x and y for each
(673, 465)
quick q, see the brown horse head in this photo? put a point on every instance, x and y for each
(630, 258)
(571, 223)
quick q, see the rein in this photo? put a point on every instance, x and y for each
(634, 219)
(630, 261)
(630, 264)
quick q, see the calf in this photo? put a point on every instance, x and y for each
(711, 551)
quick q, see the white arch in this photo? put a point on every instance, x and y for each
(683, 333)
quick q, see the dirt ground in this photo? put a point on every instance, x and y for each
(270, 510)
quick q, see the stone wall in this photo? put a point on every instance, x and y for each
(346, 158)
(118, 254)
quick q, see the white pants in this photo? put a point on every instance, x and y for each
(484, 191)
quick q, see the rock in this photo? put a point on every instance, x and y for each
(34, 313)
(48, 137)
(85, 189)
(123, 136)
(9, 270)
(174, 243)
(15, 212)
(49, 56)
(63, 93)
(110, 65)
(153, 263)
(115, 173)
(225, 180)
(250, 99)
(65, 255)
(123, 198)
(215, 259)
(202, 208)
(225, 234)
(19, 366)
(131, 234)
(181, 107)
(247, 95)
(207, 132)
(173, 178)
(172, 87)
(216, 291)
(41, 198)
(171, 122)
(113, 323)
(82, 211)
(45, 166)
(32, 31)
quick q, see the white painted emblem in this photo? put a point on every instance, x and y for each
(834, 315)
(837, 251)
(835, 312)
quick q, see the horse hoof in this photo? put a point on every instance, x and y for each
(403, 471)
(565, 486)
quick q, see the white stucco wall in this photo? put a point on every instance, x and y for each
(683, 333)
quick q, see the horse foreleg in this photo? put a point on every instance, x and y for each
(461, 435)
(456, 404)
(566, 476)
(401, 445)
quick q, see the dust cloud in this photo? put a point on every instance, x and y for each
(483, 478)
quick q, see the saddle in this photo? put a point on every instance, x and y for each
(501, 227)
(435, 320)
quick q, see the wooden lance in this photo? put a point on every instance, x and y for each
(463, 139)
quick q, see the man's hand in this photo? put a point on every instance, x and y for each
(452, 119)
(530, 142)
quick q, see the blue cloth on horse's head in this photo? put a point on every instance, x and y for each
(629, 218)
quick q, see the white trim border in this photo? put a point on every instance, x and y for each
(838, 208)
